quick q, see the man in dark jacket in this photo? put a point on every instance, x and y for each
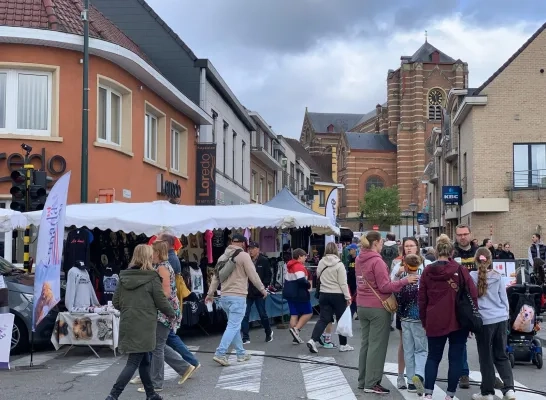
(254, 296)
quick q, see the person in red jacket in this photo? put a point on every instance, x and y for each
(437, 302)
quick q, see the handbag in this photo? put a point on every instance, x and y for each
(466, 311)
(390, 304)
(317, 289)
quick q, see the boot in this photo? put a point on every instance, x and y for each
(154, 396)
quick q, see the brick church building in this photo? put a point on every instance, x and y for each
(386, 146)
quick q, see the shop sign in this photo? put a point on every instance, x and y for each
(170, 189)
(55, 165)
(205, 191)
(423, 218)
(452, 195)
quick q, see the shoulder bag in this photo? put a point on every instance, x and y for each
(466, 311)
(317, 289)
(390, 304)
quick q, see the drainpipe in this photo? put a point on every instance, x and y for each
(203, 105)
(85, 105)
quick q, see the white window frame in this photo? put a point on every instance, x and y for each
(147, 156)
(175, 149)
(12, 99)
(109, 92)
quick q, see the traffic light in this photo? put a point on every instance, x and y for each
(18, 190)
(38, 191)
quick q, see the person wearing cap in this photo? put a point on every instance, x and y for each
(233, 300)
(254, 296)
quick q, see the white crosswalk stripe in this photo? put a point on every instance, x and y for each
(92, 366)
(243, 377)
(171, 373)
(477, 377)
(324, 382)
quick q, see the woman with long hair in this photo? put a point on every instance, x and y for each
(334, 296)
(491, 341)
(139, 296)
(373, 288)
(438, 288)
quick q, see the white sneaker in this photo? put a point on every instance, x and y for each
(346, 348)
(479, 396)
(510, 395)
(136, 380)
(312, 346)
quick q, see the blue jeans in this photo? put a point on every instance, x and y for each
(415, 343)
(260, 306)
(235, 308)
(457, 343)
(178, 345)
(466, 370)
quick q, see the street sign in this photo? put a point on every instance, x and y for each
(452, 195)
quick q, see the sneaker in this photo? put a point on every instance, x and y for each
(187, 373)
(479, 396)
(295, 332)
(428, 396)
(346, 348)
(195, 368)
(510, 395)
(136, 380)
(222, 360)
(295, 341)
(498, 383)
(142, 390)
(377, 389)
(244, 358)
(269, 338)
(418, 383)
(448, 397)
(246, 341)
(329, 345)
(154, 396)
(464, 382)
(312, 346)
(412, 388)
(401, 383)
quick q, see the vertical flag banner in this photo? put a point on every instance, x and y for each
(331, 213)
(6, 326)
(47, 279)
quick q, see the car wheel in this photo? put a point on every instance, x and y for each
(19, 337)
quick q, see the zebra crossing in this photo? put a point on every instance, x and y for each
(320, 377)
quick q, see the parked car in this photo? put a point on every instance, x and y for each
(21, 295)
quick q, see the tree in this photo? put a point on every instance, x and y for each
(381, 206)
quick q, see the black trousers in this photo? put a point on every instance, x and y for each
(140, 361)
(330, 304)
(492, 352)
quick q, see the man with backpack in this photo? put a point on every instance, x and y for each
(233, 271)
(390, 250)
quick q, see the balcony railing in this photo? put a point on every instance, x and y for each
(290, 182)
(450, 150)
(433, 172)
(527, 179)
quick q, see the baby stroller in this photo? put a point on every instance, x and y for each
(525, 306)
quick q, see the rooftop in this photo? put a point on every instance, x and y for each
(369, 141)
(341, 122)
(424, 54)
(324, 173)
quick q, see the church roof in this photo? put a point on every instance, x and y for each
(369, 115)
(424, 54)
(341, 122)
(369, 141)
(324, 170)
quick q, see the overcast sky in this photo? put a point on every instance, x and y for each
(280, 56)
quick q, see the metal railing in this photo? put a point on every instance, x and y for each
(290, 182)
(534, 179)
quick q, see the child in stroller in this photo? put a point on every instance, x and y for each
(525, 307)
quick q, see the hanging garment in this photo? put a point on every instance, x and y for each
(208, 243)
(197, 284)
(79, 290)
(109, 282)
(77, 246)
(268, 240)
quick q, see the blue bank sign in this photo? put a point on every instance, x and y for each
(452, 195)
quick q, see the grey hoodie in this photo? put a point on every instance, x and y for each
(79, 290)
(493, 306)
(333, 277)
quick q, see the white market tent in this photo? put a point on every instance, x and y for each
(11, 220)
(150, 218)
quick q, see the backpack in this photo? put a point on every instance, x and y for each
(224, 268)
(466, 311)
(389, 253)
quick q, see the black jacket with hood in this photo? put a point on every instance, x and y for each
(264, 272)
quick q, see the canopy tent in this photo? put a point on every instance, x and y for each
(11, 220)
(150, 218)
(285, 200)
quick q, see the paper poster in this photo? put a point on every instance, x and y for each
(6, 328)
(510, 268)
(500, 266)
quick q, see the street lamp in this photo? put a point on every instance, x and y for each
(413, 208)
(406, 216)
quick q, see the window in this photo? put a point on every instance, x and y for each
(243, 157)
(179, 149)
(261, 193)
(253, 186)
(25, 102)
(150, 137)
(435, 102)
(374, 181)
(529, 165)
(175, 149)
(307, 183)
(214, 118)
(109, 116)
(234, 155)
(269, 190)
(322, 198)
(226, 126)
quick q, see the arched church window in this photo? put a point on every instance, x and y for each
(374, 181)
(436, 100)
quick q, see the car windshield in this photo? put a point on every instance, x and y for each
(5, 266)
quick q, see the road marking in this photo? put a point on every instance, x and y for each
(92, 366)
(37, 359)
(325, 382)
(243, 377)
(438, 394)
(477, 377)
(170, 373)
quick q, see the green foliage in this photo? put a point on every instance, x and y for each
(381, 206)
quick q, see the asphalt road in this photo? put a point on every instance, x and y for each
(80, 375)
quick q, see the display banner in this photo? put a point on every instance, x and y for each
(205, 189)
(331, 213)
(47, 279)
(6, 327)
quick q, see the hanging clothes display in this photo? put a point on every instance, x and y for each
(208, 244)
(109, 279)
(76, 248)
(79, 290)
(268, 240)
(197, 284)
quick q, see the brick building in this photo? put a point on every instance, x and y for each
(387, 145)
(495, 133)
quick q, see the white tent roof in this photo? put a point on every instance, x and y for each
(10, 220)
(150, 218)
